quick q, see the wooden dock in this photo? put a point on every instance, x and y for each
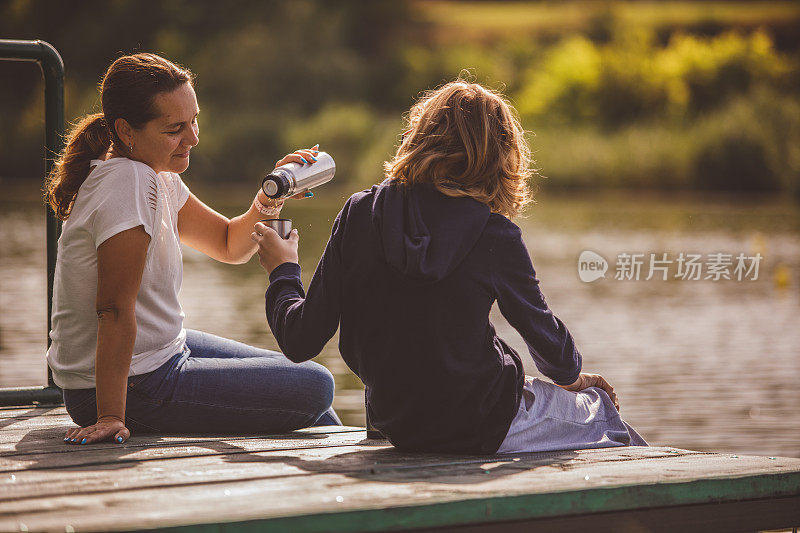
(333, 479)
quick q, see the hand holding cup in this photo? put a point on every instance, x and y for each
(273, 250)
(283, 226)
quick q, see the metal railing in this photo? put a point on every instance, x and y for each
(52, 67)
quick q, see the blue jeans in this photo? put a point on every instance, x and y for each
(217, 385)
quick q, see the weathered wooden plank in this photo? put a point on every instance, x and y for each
(329, 479)
(41, 449)
(12, 412)
(239, 465)
(357, 483)
(37, 435)
(752, 515)
(377, 509)
(755, 515)
(139, 449)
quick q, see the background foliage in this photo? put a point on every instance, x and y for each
(664, 95)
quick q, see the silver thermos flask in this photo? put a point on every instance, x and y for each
(293, 178)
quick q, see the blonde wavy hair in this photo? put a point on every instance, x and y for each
(466, 140)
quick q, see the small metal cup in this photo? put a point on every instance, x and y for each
(282, 225)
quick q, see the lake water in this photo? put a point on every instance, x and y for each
(698, 364)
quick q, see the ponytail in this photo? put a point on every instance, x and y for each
(89, 139)
(128, 91)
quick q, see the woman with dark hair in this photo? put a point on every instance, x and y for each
(119, 349)
(410, 273)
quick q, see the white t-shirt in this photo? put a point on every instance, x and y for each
(118, 194)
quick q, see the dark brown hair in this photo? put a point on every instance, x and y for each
(128, 91)
(467, 141)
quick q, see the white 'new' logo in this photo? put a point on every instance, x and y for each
(591, 266)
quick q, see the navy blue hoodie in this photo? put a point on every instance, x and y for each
(409, 275)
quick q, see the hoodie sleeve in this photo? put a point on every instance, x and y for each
(302, 323)
(522, 303)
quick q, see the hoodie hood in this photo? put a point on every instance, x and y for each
(424, 234)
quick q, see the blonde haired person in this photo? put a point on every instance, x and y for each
(409, 275)
(120, 350)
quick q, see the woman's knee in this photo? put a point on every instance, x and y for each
(318, 380)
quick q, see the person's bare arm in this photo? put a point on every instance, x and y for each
(222, 239)
(215, 235)
(120, 263)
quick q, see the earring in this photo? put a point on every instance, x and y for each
(131, 146)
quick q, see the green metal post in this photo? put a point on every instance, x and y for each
(52, 67)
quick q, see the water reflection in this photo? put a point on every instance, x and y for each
(697, 364)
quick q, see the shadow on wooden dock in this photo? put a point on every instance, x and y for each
(334, 479)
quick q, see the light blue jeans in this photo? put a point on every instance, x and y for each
(218, 385)
(550, 418)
